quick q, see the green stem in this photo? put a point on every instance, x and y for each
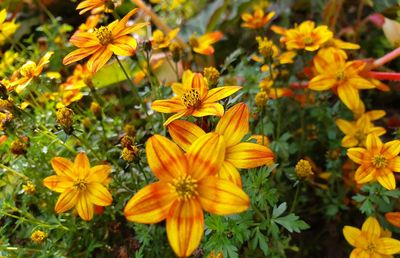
(296, 197)
(13, 171)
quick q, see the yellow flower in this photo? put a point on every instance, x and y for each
(80, 185)
(160, 40)
(266, 85)
(344, 77)
(187, 185)
(371, 241)
(95, 6)
(194, 98)
(29, 71)
(7, 60)
(202, 44)
(29, 188)
(307, 36)
(6, 28)
(103, 42)
(38, 236)
(304, 169)
(257, 20)
(233, 126)
(261, 99)
(377, 161)
(356, 131)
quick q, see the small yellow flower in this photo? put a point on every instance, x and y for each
(7, 29)
(211, 75)
(202, 44)
(160, 40)
(38, 236)
(129, 153)
(65, 117)
(96, 6)
(18, 147)
(29, 188)
(371, 240)
(306, 36)
(261, 99)
(256, 20)
(304, 169)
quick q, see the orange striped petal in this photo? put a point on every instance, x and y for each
(58, 183)
(168, 105)
(234, 124)
(373, 142)
(123, 46)
(205, 50)
(177, 116)
(99, 59)
(351, 234)
(82, 165)
(392, 148)
(386, 179)
(99, 173)
(63, 167)
(349, 96)
(248, 155)
(387, 246)
(371, 225)
(130, 29)
(79, 54)
(67, 200)
(185, 226)
(84, 207)
(200, 85)
(209, 109)
(322, 82)
(220, 93)
(360, 83)
(98, 194)
(184, 133)
(364, 175)
(165, 158)
(393, 218)
(151, 204)
(230, 173)
(84, 40)
(121, 25)
(394, 164)
(206, 155)
(219, 196)
(356, 154)
(210, 38)
(349, 141)
(345, 126)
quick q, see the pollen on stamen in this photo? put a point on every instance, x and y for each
(104, 35)
(80, 184)
(191, 98)
(379, 161)
(185, 187)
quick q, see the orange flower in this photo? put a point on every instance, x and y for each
(377, 161)
(80, 185)
(194, 98)
(96, 6)
(334, 72)
(233, 126)
(103, 42)
(306, 36)
(202, 44)
(29, 71)
(257, 20)
(187, 185)
(393, 218)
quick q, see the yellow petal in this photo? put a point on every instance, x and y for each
(386, 179)
(248, 155)
(209, 109)
(99, 59)
(394, 164)
(98, 194)
(82, 165)
(364, 175)
(84, 40)
(349, 96)
(99, 173)
(122, 23)
(165, 158)
(321, 82)
(151, 204)
(349, 141)
(387, 246)
(124, 49)
(356, 154)
(230, 173)
(218, 93)
(58, 183)
(177, 116)
(234, 124)
(184, 133)
(373, 142)
(206, 155)
(392, 148)
(67, 200)
(360, 83)
(185, 226)
(345, 126)
(79, 54)
(84, 207)
(200, 85)
(351, 234)
(168, 105)
(371, 227)
(63, 167)
(219, 196)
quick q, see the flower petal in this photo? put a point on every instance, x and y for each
(79, 54)
(177, 116)
(151, 204)
(345, 126)
(218, 93)
(349, 141)
(184, 133)
(364, 175)
(185, 226)
(219, 196)
(321, 82)
(99, 173)
(356, 154)
(206, 155)
(372, 227)
(168, 105)
(99, 59)
(58, 183)
(209, 109)
(373, 142)
(63, 167)
(360, 83)
(394, 164)
(387, 246)
(248, 155)
(230, 173)
(393, 218)
(392, 148)
(84, 207)
(165, 158)
(82, 165)
(67, 200)
(386, 179)
(351, 234)
(98, 194)
(234, 124)
(349, 96)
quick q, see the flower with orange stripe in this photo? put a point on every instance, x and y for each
(377, 161)
(80, 185)
(306, 36)
(187, 185)
(95, 6)
(194, 98)
(202, 44)
(256, 20)
(103, 42)
(233, 126)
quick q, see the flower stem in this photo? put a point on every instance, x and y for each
(296, 198)
(13, 171)
(386, 58)
(384, 76)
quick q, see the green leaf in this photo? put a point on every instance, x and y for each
(278, 211)
(292, 223)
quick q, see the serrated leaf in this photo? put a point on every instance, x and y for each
(277, 211)
(292, 223)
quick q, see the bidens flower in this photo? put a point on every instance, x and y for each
(256, 20)
(160, 40)
(95, 6)
(6, 28)
(103, 42)
(377, 161)
(370, 241)
(307, 36)
(187, 185)
(194, 98)
(80, 185)
(202, 44)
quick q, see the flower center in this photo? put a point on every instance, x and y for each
(185, 187)
(360, 136)
(191, 98)
(308, 40)
(339, 76)
(28, 69)
(104, 35)
(80, 184)
(379, 161)
(193, 42)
